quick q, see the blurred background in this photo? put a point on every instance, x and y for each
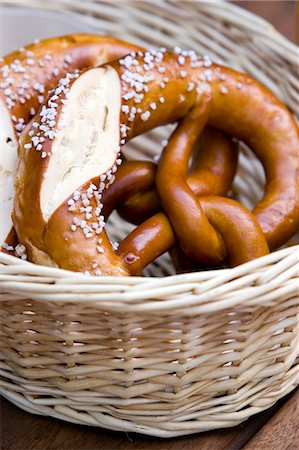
(283, 14)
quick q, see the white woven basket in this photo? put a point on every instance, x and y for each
(161, 356)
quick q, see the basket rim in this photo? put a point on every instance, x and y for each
(17, 8)
(6, 258)
(228, 6)
(187, 294)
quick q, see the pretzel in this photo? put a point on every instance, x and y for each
(26, 76)
(213, 168)
(214, 164)
(228, 220)
(134, 95)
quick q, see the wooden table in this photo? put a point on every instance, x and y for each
(276, 428)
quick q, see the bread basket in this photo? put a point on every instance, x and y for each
(161, 355)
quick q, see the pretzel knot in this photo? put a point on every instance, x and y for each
(64, 192)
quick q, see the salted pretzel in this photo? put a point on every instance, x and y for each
(214, 164)
(59, 188)
(26, 76)
(227, 219)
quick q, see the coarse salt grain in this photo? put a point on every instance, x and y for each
(7, 247)
(145, 116)
(223, 90)
(68, 59)
(181, 60)
(190, 86)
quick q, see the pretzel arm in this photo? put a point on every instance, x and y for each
(130, 178)
(140, 207)
(214, 164)
(149, 240)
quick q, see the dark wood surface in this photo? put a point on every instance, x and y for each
(281, 13)
(281, 431)
(22, 431)
(274, 429)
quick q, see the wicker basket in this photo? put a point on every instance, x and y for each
(164, 356)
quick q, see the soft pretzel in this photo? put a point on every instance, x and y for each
(60, 187)
(26, 76)
(213, 168)
(228, 220)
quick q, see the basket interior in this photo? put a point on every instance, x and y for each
(242, 44)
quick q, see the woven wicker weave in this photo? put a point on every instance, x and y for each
(161, 356)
